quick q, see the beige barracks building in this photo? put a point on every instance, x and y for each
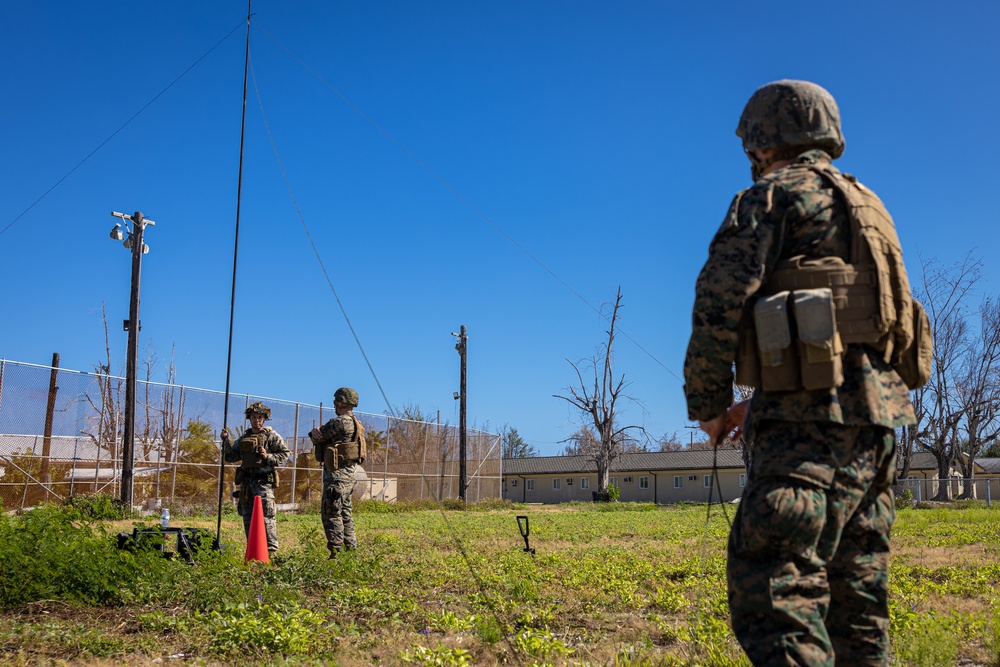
(650, 477)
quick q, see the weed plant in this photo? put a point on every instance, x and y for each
(608, 584)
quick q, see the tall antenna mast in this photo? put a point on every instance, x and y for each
(232, 301)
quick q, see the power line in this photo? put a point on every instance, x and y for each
(122, 127)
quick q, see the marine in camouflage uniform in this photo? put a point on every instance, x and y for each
(257, 473)
(338, 485)
(808, 553)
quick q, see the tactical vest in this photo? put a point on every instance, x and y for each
(354, 450)
(250, 445)
(828, 303)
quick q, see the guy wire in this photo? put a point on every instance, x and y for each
(459, 195)
(426, 481)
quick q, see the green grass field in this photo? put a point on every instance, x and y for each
(617, 584)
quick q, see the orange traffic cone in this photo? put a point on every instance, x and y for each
(257, 539)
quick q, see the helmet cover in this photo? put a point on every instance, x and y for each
(791, 114)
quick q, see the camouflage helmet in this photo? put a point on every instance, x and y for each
(346, 395)
(258, 408)
(791, 114)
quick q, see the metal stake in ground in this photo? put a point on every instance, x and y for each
(525, 528)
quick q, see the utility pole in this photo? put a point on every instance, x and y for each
(461, 346)
(131, 239)
(50, 409)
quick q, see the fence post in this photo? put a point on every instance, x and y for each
(295, 465)
(986, 481)
(72, 470)
(920, 486)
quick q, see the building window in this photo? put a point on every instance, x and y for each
(584, 482)
(614, 481)
(707, 482)
(569, 481)
(555, 483)
(627, 480)
(678, 481)
(643, 482)
(529, 485)
(513, 482)
(692, 478)
(743, 479)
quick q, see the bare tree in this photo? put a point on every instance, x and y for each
(909, 437)
(978, 390)
(108, 416)
(945, 290)
(599, 403)
(670, 442)
(583, 442)
(147, 432)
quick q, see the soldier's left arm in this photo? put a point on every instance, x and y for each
(740, 256)
(278, 452)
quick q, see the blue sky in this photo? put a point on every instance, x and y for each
(505, 166)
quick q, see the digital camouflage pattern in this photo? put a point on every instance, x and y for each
(257, 408)
(808, 555)
(808, 566)
(258, 481)
(788, 212)
(791, 113)
(347, 395)
(337, 509)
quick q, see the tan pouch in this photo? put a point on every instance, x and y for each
(779, 369)
(330, 458)
(914, 362)
(747, 360)
(820, 348)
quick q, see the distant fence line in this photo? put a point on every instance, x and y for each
(924, 490)
(54, 445)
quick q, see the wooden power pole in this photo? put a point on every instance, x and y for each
(50, 409)
(132, 241)
(462, 346)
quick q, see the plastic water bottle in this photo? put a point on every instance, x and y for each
(165, 518)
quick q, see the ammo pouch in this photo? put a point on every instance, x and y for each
(331, 457)
(336, 453)
(354, 450)
(792, 342)
(250, 445)
(239, 476)
(913, 363)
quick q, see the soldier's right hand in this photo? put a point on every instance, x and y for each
(316, 434)
(226, 437)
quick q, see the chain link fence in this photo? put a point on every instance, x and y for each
(953, 488)
(61, 435)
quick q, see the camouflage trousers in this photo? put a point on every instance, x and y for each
(248, 489)
(337, 508)
(808, 566)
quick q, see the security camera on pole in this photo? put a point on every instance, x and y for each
(131, 238)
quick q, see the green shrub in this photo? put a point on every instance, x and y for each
(100, 506)
(51, 553)
(929, 642)
(260, 629)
